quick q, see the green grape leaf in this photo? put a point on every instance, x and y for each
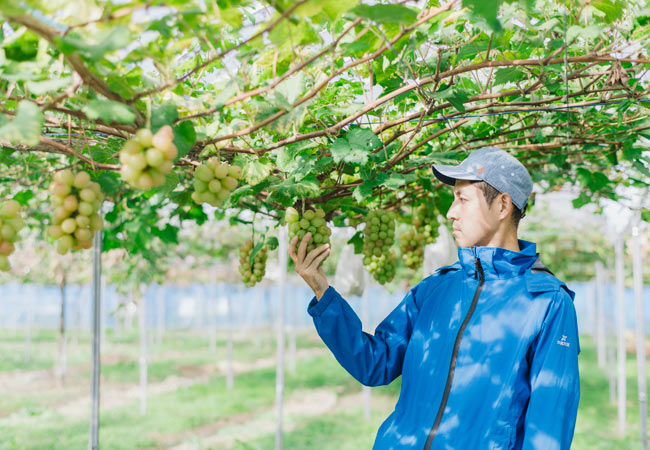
(395, 181)
(613, 10)
(357, 242)
(256, 249)
(23, 197)
(21, 47)
(382, 13)
(272, 242)
(256, 170)
(286, 192)
(507, 75)
(355, 146)
(334, 8)
(342, 151)
(453, 95)
(109, 111)
(43, 87)
(109, 182)
(25, 128)
(184, 137)
(96, 46)
(487, 10)
(165, 114)
(168, 234)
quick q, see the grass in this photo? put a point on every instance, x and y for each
(597, 423)
(174, 412)
(28, 419)
(338, 431)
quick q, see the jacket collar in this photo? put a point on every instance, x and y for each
(498, 262)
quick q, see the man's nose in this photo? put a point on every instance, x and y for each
(451, 212)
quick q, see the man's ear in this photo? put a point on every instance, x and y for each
(505, 205)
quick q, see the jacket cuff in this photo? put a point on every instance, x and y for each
(316, 307)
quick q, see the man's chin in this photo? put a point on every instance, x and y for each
(463, 243)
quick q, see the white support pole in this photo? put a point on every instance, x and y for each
(212, 314)
(268, 299)
(259, 326)
(78, 318)
(640, 329)
(600, 316)
(102, 317)
(230, 375)
(610, 345)
(61, 366)
(611, 365)
(620, 335)
(365, 319)
(29, 319)
(160, 312)
(142, 321)
(292, 335)
(591, 309)
(279, 371)
(93, 441)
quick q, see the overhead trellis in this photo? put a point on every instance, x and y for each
(330, 102)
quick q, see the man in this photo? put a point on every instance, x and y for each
(487, 347)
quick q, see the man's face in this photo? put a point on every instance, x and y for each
(474, 222)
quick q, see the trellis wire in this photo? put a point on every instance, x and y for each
(468, 116)
(500, 113)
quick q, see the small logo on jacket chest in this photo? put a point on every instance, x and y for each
(563, 342)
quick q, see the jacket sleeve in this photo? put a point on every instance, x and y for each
(372, 359)
(554, 379)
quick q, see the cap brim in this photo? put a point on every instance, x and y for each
(449, 174)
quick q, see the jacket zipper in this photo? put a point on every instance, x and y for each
(454, 355)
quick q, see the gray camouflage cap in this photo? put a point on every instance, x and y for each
(496, 167)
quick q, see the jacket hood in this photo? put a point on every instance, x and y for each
(498, 262)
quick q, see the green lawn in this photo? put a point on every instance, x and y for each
(202, 412)
(597, 424)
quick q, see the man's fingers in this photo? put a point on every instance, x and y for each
(319, 259)
(302, 250)
(314, 253)
(292, 249)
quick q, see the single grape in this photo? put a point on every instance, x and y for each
(10, 208)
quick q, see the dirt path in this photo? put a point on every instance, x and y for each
(116, 395)
(300, 406)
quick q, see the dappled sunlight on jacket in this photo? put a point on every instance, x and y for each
(514, 381)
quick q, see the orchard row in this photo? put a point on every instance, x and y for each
(146, 158)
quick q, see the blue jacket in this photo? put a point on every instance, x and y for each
(487, 349)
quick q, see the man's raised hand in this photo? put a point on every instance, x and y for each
(308, 264)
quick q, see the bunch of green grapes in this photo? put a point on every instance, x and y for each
(426, 220)
(311, 221)
(76, 201)
(214, 180)
(379, 233)
(148, 157)
(10, 224)
(252, 274)
(411, 244)
(382, 267)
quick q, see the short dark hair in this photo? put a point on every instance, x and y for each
(490, 194)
